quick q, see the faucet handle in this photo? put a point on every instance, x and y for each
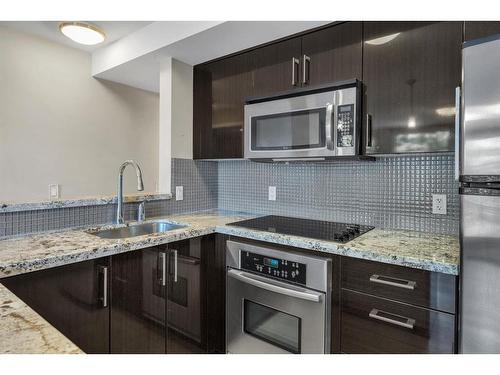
(141, 212)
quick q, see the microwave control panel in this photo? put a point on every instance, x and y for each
(345, 125)
(277, 268)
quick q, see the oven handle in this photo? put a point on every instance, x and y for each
(248, 279)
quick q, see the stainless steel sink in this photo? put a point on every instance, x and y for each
(138, 230)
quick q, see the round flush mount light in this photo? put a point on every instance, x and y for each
(82, 32)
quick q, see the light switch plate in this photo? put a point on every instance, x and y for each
(54, 191)
(272, 193)
(439, 204)
(179, 193)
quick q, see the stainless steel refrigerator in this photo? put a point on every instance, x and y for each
(480, 197)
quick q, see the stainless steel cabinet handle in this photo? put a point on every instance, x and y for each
(274, 287)
(393, 281)
(306, 66)
(457, 132)
(368, 130)
(400, 321)
(295, 69)
(104, 299)
(163, 259)
(175, 265)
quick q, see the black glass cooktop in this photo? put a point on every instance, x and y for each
(318, 229)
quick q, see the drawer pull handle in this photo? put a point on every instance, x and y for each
(400, 321)
(392, 281)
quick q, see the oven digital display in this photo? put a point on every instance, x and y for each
(274, 263)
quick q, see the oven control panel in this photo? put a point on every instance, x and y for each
(345, 125)
(274, 267)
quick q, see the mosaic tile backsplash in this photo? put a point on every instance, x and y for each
(392, 192)
(200, 193)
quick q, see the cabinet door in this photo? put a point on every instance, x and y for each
(410, 71)
(220, 89)
(274, 68)
(481, 29)
(186, 295)
(138, 301)
(335, 54)
(72, 299)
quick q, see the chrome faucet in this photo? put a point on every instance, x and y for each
(140, 187)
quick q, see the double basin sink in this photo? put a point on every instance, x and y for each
(135, 230)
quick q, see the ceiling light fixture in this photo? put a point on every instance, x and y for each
(82, 32)
(382, 39)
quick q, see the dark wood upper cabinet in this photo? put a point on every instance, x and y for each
(220, 89)
(480, 29)
(276, 67)
(410, 71)
(333, 54)
(72, 299)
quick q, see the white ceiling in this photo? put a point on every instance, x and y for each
(133, 50)
(50, 30)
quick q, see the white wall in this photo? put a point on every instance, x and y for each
(60, 125)
(182, 110)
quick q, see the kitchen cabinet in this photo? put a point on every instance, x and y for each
(186, 295)
(372, 325)
(73, 298)
(410, 71)
(481, 29)
(219, 92)
(148, 301)
(276, 67)
(394, 309)
(221, 87)
(333, 54)
(159, 298)
(138, 301)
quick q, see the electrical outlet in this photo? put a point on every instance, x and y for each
(179, 193)
(54, 191)
(272, 193)
(439, 204)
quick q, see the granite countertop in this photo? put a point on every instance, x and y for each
(24, 331)
(432, 252)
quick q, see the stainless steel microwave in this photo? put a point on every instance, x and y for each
(309, 124)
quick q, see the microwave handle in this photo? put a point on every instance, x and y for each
(328, 126)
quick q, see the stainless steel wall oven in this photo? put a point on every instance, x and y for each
(277, 301)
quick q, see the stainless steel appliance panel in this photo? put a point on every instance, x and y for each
(308, 309)
(481, 109)
(313, 132)
(265, 314)
(480, 274)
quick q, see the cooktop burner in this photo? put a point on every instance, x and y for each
(318, 229)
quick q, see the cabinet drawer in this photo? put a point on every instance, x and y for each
(417, 287)
(376, 325)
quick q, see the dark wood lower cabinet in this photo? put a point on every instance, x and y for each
(376, 325)
(71, 299)
(159, 298)
(138, 302)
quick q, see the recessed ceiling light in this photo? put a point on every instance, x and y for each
(82, 32)
(382, 39)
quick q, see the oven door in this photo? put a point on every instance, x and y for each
(268, 316)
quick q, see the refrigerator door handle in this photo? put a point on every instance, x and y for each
(457, 132)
